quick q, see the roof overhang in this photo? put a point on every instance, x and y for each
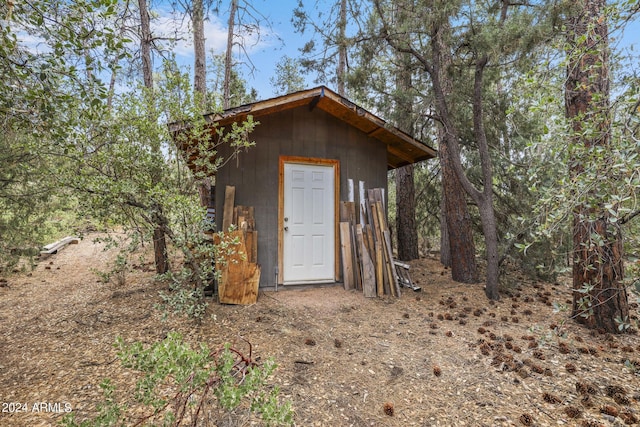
(402, 149)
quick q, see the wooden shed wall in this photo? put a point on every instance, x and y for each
(296, 132)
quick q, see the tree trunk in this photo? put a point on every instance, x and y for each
(445, 247)
(161, 256)
(464, 268)
(199, 69)
(342, 48)
(599, 297)
(200, 82)
(484, 199)
(406, 229)
(228, 65)
(145, 44)
(462, 248)
(159, 239)
(490, 231)
(601, 269)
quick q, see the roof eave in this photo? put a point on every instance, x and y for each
(402, 149)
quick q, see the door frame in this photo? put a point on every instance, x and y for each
(335, 164)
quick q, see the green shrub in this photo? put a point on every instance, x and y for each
(180, 385)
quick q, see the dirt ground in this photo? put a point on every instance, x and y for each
(441, 357)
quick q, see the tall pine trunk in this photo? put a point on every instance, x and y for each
(599, 297)
(445, 247)
(461, 247)
(199, 69)
(484, 198)
(145, 44)
(406, 227)
(342, 48)
(161, 254)
(200, 83)
(228, 65)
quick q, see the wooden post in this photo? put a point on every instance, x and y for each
(378, 250)
(350, 208)
(391, 269)
(229, 199)
(368, 269)
(347, 255)
(363, 204)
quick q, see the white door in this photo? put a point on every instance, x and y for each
(309, 229)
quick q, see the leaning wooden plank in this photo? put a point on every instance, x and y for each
(375, 195)
(347, 256)
(378, 218)
(348, 212)
(344, 212)
(390, 277)
(378, 251)
(240, 284)
(380, 210)
(389, 286)
(54, 247)
(251, 243)
(229, 199)
(363, 203)
(239, 278)
(244, 217)
(387, 259)
(351, 209)
(368, 239)
(385, 271)
(351, 215)
(235, 251)
(390, 266)
(357, 261)
(367, 267)
(370, 199)
(379, 195)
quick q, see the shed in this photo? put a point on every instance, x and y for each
(309, 145)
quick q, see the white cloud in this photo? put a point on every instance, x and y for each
(34, 44)
(176, 25)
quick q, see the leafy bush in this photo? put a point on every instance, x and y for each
(181, 385)
(186, 288)
(183, 297)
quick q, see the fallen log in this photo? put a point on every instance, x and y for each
(54, 247)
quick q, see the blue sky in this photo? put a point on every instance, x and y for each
(275, 41)
(281, 39)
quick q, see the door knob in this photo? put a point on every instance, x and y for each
(286, 229)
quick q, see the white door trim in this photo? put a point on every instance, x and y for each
(335, 164)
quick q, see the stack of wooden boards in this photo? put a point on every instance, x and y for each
(367, 257)
(239, 272)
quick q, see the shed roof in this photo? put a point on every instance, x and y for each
(402, 149)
